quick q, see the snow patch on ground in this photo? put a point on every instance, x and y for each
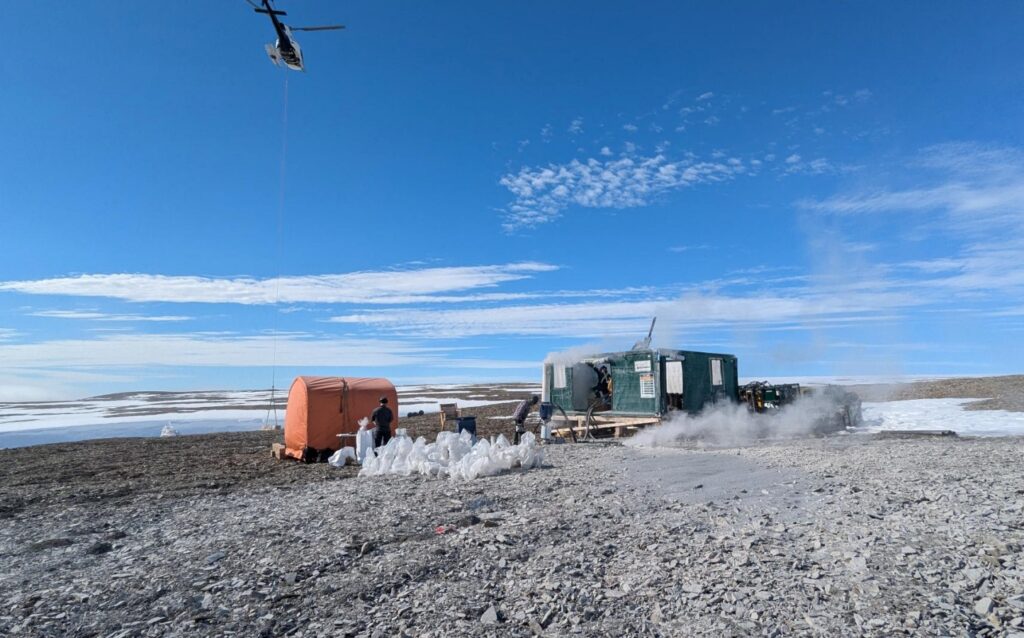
(430, 404)
(941, 414)
(146, 413)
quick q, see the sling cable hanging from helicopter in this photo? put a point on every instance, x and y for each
(272, 405)
(284, 52)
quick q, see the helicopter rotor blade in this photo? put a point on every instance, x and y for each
(333, 27)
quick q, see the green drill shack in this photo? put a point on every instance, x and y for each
(644, 382)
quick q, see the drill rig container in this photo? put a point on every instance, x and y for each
(644, 382)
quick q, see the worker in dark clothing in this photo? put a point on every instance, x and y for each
(523, 411)
(381, 419)
(604, 384)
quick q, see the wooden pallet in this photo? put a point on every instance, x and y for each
(615, 426)
(449, 412)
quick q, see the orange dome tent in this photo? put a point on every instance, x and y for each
(321, 408)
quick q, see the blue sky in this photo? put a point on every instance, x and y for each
(819, 188)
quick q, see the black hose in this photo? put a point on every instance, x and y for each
(587, 435)
(565, 416)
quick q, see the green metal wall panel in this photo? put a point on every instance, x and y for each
(628, 391)
(698, 390)
(630, 394)
(559, 396)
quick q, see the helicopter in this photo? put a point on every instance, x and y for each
(286, 50)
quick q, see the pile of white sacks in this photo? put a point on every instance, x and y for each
(452, 455)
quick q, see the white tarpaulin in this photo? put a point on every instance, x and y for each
(716, 372)
(560, 378)
(674, 377)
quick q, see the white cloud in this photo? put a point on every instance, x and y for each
(705, 96)
(542, 193)
(625, 318)
(978, 188)
(60, 369)
(817, 166)
(102, 316)
(973, 192)
(383, 287)
(605, 151)
(194, 349)
(576, 126)
(941, 264)
(632, 128)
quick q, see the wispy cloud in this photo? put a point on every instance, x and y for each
(102, 316)
(195, 349)
(973, 190)
(576, 126)
(541, 194)
(817, 166)
(977, 187)
(57, 369)
(379, 287)
(623, 318)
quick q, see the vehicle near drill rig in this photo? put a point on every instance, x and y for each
(837, 408)
(647, 385)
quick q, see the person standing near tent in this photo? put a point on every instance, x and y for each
(523, 411)
(381, 419)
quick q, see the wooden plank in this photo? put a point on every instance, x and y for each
(914, 434)
(626, 420)
(614, 425)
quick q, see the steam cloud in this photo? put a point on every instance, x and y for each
(733, 424)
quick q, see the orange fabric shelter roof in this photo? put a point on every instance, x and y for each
(321, 408)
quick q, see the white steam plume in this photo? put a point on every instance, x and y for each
(733, 424)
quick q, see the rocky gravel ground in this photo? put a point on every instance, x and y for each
(841, 536)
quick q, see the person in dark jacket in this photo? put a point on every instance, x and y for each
(381, 419)
(523, 411)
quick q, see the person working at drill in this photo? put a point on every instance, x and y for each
(523, 411)
(381, 419)
(604, 385)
